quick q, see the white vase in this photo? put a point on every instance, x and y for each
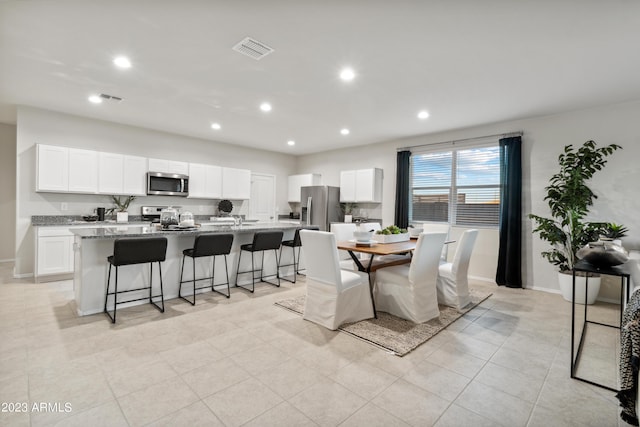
(348, 218)
(122, 216)
(565, 280)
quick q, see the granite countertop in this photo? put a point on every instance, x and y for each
(149, 230)
(74, 220)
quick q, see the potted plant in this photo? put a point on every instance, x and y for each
(347, 209)
(122, 204)
(569, 199)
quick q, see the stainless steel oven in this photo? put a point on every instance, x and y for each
(167, 184)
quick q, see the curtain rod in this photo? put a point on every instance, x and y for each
(501, 135)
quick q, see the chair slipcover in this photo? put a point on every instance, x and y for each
(344, 232)
(438, 227)
(453, 286)
(334, 296)
(409, 291)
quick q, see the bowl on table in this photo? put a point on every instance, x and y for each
(363, 236)
(90, 218)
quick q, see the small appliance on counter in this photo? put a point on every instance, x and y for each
(168, 217)
(152, 213)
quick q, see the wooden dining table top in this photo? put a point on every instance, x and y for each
(380, 248)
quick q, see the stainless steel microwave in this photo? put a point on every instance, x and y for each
(167, 184)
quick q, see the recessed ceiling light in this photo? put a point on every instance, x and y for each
(215, 126)
(122, 62)
(423, 115)
(96, 99)
(345, 131)
(347, 74)
(291, 142)
(265, 106)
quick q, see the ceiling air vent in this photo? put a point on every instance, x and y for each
(253, 48)
(110, 97)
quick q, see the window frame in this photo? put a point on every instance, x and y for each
(453, 188)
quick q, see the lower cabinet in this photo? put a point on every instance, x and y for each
(54, 251)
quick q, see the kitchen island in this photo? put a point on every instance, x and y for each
(92, 246)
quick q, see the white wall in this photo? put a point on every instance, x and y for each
(36, 126)
(543, 140)
(7, 191)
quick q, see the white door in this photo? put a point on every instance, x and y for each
(262, 204)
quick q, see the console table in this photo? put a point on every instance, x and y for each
(625, 277)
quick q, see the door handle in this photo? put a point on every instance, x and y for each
(309, 210)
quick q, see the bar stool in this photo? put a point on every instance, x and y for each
(136, 251)
(293, 244)
(206, 245)
(262, 241)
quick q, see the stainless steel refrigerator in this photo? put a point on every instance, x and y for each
(320, 206)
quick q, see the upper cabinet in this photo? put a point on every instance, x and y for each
(134, 176)
(62, 169)
(168, 166)
(120, 174)
(363, 185)
(236, 183)
(52, 168)
(296, 182)
(205, 181)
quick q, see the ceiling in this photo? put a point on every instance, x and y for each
(466, 62)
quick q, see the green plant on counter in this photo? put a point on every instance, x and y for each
(122, 203)
(392, 229)
(347, 208)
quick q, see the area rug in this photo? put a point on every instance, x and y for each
(392, 333)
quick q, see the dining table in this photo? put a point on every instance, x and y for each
(374, 248)
(381, 249)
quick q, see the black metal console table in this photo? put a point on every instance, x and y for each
(583, 266)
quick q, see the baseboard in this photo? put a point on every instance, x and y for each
(538, 288)
(2, 261)
(22, 276)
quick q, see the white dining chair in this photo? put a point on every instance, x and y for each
(453, 284)
(344, 232)
(438, 227)
(334, 296)
(409, 290)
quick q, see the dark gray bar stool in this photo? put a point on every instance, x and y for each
(293, 244)
(207, 245)
(262, 241)
(136, 251)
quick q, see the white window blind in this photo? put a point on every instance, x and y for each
(458, 186)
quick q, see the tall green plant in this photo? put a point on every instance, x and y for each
(569, 199)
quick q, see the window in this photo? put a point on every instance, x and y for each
(459, 186)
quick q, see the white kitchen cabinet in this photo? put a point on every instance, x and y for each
(205, 181)
(52, 166)
(168, 166)
(110, 173)
(296, 182)
(54, 251)
(236, 184)
(83, 171)
(122, 175)
(363, 185)
(134, 176)
(348, 186)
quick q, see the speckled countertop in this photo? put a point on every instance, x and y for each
(152, 230)
(74, 220)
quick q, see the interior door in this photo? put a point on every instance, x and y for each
(262, 204)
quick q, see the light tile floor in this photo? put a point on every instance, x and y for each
(246, 362)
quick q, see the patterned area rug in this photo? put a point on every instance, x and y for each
(392, 333)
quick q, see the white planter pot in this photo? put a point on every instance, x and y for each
(566, 288)
(122, 216)
(391, 238)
